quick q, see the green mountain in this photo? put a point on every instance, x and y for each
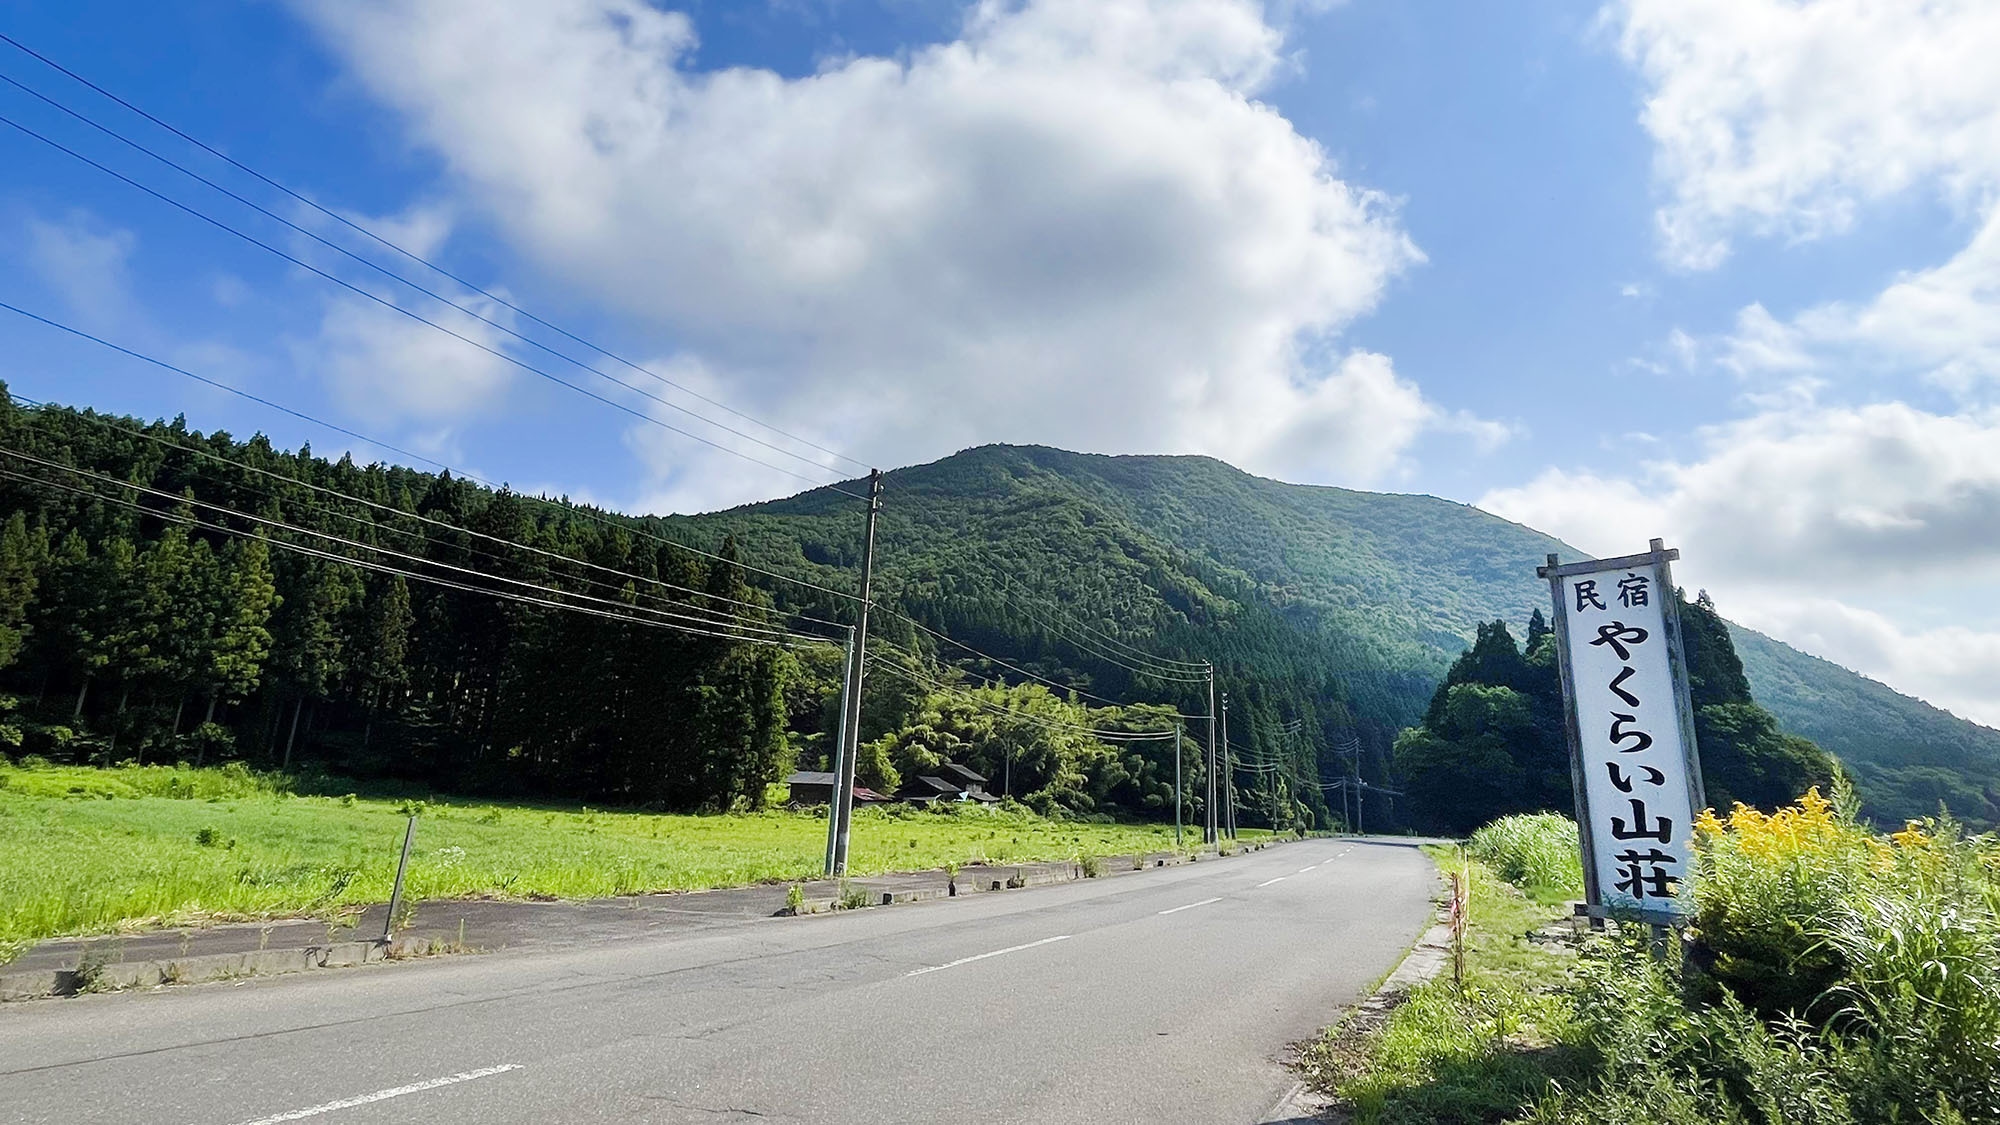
(1908, 755)
(169, 594)
(1373, 594)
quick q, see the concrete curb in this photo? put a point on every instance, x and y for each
(100, 967)
(114, 975)
(1426, 959)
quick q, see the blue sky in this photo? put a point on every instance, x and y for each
(1719, 271)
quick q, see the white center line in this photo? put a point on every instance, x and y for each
(385, 1095)
(1303, 870)
(984, 956)
(1268, 882)
(1191, 905)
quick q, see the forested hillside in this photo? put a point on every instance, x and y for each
(1908, 756)
(194, 596)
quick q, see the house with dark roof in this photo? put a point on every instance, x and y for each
(809, 787)
(949, 782)
(972, 783)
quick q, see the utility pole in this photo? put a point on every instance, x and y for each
(1208, 826)
(1178, 733)
(1228, 772)
(840, 756)
(851, 719)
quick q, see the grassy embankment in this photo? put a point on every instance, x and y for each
(87, 850)
(1832, 977)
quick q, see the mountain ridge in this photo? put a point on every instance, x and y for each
(1402, 579)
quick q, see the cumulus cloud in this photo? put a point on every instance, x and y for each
(1882, 502)
(1951, 666)
(1784, 117)
(1074, 224)
(386, 368)
(87, 263)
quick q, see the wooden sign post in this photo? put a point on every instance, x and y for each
(1633, 761)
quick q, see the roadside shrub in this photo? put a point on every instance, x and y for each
(1834, 976)
(1536, 852)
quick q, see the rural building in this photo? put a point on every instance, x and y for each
(949, 782)
(809, 787)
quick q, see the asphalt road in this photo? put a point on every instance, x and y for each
(1167, 996)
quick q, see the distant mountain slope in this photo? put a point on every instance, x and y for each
(1355, 600)
(1907, 754)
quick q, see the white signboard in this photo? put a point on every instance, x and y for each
(1632, 739)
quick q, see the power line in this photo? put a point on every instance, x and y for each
(408, 558)
(286, 410)
(1004, 664)
(1180, 667)
(925, 680)
(399, 513)
(411, 255)
(381, 568)
(418, 317)
(393, 276)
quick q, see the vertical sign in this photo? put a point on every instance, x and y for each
(1631, 728)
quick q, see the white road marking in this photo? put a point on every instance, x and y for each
(1268, 882)
(1191, 905)
(385, 1095)
(984, 956)
(1303, 870)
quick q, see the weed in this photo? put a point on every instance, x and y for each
(89, 973)
(1089, 865)
(851, 897)
(207, 837)
(795, 898)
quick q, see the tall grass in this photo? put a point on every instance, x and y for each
(1832, 976)
(1537, 852)
(90, 851)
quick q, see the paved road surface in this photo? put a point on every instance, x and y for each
(1168, 996)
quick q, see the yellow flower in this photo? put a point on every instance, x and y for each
(1912, 835)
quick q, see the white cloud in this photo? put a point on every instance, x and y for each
(1951, 667)
(1783, 117)
(87, 264)
(1800, 517)
(1075, 224)
(385, 367)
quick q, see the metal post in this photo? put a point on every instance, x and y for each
(840, 755)
(1208, 827)
(396, 896)
(844, 791)
(1177, 786)
(1228, 773)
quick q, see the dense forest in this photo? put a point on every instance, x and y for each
(1388, 589)
(193, 598)
(171, 595)
(1492, 741)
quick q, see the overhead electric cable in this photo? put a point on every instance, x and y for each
(924, 680)
(1136, 653)
(396, 277)
(222, 509)
(411, 255)
(286, 410)
(363, 564)
(399, 513)
(418, 317)
(1002, 663)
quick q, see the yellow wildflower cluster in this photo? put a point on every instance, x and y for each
(1912, 835)
(1807, 827)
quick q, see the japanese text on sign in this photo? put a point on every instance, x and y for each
(1633, 757)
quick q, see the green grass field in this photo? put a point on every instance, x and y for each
(99, 850)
